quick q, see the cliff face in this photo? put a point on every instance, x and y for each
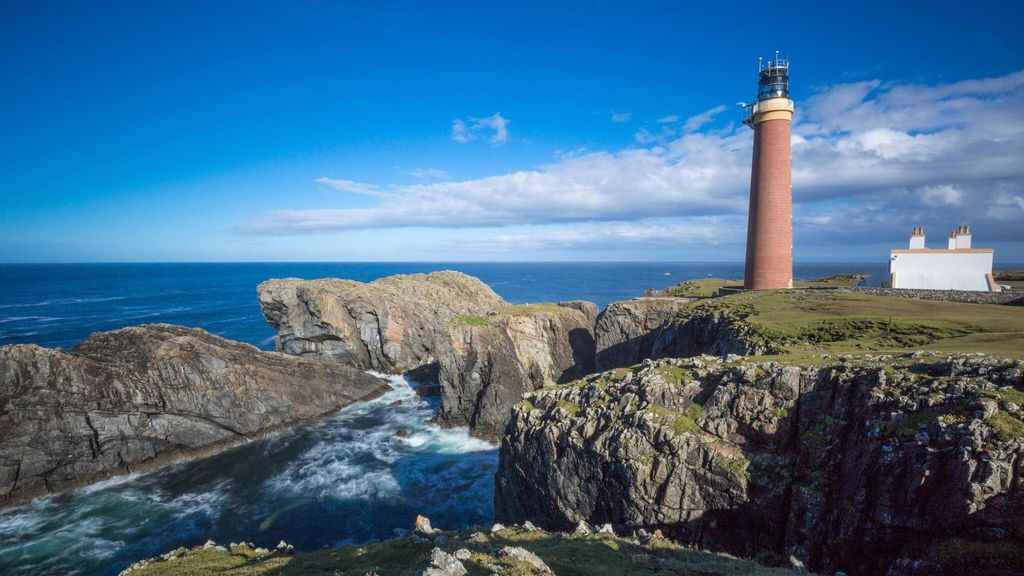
(483, 352)
(391, 324)
(136, 397)
(490, 362)
(912, 463)
(630, 331)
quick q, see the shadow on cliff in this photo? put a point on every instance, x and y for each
(703, 334)
(583, 348)
(858, 498)
(840, 484)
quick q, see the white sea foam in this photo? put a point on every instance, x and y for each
(37, 318)
(381, 452)
(352, 461)
(108, 483)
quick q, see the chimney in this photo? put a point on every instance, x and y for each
(952, 239)
(917, 238)
(963, 237)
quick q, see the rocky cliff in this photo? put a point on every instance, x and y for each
(444, 325)
(488, 362)
(910, 464)
(630, 331)
(132, 398)
(392, 324)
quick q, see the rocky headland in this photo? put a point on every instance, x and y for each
(824, 427)
(130, 399)
(871, 465)
(443, 326)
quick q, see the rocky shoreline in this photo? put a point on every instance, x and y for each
(137, 398)
(650, 416)
(443, 326)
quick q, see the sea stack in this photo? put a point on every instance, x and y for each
(769, 263)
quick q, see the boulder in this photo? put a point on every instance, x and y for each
(525, 556)
(444, 564)
(134, 398)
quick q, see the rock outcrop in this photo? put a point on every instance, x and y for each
(630, 331)
(483, 352)
(133, 398)
(488, 362)
(910, 464)
(392, 324)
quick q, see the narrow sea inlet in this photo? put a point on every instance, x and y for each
(351, 478)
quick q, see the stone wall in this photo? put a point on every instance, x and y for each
(1012, 297)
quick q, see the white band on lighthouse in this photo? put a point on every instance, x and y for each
(773, 109)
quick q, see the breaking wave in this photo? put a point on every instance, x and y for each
(351, 478)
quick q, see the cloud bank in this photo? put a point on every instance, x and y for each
(869, 158)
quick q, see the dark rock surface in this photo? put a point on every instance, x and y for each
(911, 463)
(444, 325)
(137, 397)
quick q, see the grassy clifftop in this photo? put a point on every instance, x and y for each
(804, 322)
(591, 555)
(708, 287)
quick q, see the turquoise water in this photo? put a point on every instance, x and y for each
(350, 478)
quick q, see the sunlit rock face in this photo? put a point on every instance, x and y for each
(443, 326)
(136, 397)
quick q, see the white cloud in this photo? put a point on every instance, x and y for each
(693, 123)
(351, 187)
(473, 128)
(943, 194)
(672, 233)
(619, 117)
(429, 174)
(868, 159)
(668, 119)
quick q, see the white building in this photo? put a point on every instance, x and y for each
(957, 267)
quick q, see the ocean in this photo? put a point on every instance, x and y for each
(348, 479)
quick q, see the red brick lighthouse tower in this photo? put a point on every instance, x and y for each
(769, 263)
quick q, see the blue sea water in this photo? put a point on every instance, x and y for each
(61, 304)
(350, 478)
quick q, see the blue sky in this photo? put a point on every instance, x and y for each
(226, 131)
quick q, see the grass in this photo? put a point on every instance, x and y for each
(529, 309)
(472, 320)
(569, 407)
(805, 322)
(702, 288)
(595, 555)
(833, 281)
(1007, 426)
(681, 423)
(707, 287)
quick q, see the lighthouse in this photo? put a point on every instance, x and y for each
(769, 263)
